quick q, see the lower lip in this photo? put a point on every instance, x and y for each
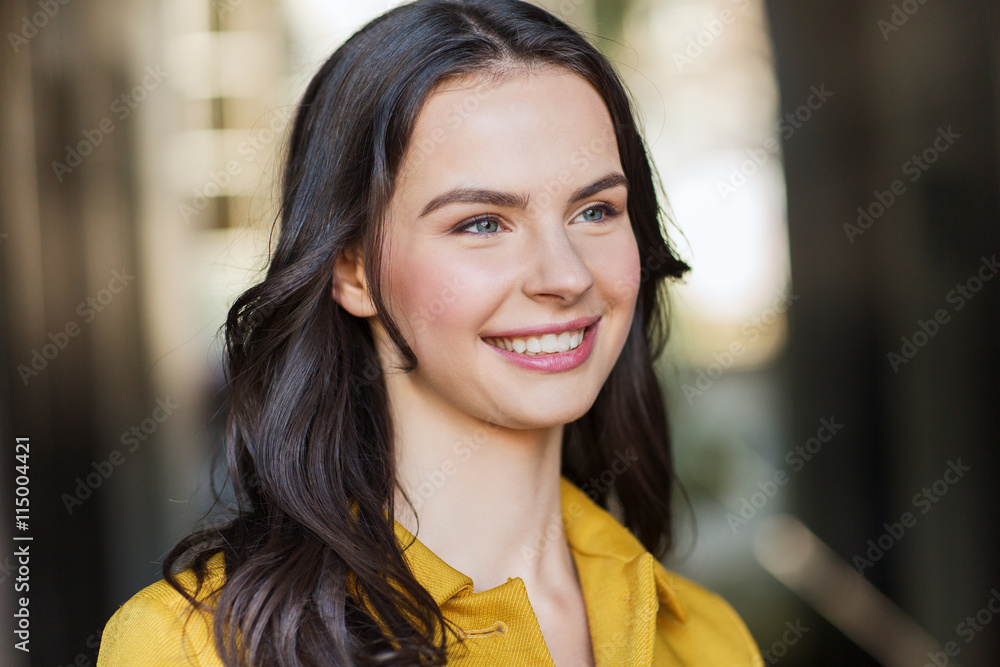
(556, 361)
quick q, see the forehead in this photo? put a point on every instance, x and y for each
(543, 128)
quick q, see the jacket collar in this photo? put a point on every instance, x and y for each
(590, 530)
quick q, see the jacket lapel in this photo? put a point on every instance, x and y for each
(623, 584)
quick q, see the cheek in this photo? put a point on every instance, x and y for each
(616, 265)
(441, 297)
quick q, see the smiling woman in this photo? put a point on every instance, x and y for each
(467, 207)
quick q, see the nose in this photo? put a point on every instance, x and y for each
(556, 267)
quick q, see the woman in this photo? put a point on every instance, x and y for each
(454, 341)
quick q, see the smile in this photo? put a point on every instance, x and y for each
(535, 345)
(551, 352)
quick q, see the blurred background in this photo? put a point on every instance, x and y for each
(832, 377)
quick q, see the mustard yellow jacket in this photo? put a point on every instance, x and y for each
(638, 612)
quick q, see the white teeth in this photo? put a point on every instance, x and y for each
(536, 345)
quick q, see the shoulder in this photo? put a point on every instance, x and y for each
(708, 632)
(158, 626)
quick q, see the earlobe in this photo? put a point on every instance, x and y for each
(349, 287)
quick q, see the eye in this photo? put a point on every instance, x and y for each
(482, 226)
(606, 211)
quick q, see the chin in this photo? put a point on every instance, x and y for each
(538, 415)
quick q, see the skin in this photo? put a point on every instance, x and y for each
(487, 431)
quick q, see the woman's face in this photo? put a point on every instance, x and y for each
(510, 213)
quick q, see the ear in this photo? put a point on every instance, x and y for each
(350, 289)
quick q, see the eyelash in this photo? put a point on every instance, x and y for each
(610, 213)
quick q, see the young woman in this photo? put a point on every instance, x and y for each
(445, 383)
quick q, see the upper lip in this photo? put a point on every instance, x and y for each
(572, 325)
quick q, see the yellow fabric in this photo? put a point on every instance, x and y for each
(639, 613)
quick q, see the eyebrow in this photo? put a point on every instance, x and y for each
(516, 200)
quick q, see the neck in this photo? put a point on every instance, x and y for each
(487, 498)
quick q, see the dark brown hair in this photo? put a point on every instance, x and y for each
(308, 435)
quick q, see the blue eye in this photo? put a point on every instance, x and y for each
(483, 224)
(479, 224)
(605, 211)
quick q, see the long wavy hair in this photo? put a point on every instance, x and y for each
(313, 570)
